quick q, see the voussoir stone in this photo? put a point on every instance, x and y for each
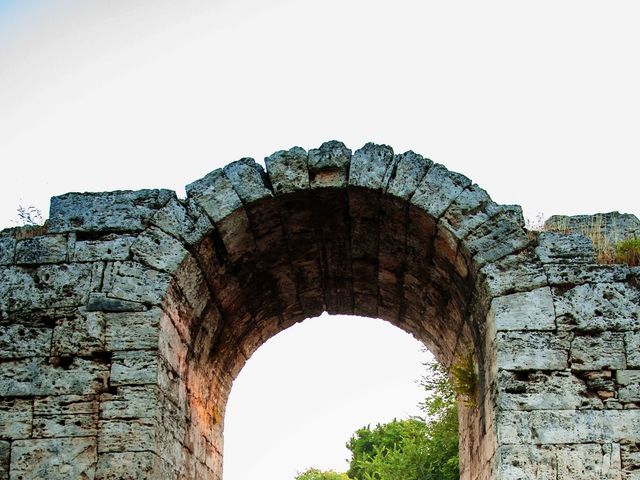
(215, 194)
(410, 169)
(248, 179)
(438, 189)
(183, 220)
(329, 165)
(288, 170)
(371, 166)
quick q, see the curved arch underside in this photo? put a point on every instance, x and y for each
(133, 312)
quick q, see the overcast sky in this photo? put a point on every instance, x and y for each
(537, 102)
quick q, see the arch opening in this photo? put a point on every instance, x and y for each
(304, 393)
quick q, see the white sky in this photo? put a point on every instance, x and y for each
(537, 102)
(305, 392)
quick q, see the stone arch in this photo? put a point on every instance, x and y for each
(185, 290)
(374, 234)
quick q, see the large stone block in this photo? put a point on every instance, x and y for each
(548, 427)
(5, 458)
(130, 402)
(130, 435)
(215, 194)
(526, 462)
(54, 459)
(128, 466)
(47, 286)
(65, 405)
(70, 425)
(558, 248)
(560, 274)
(605, 351)
(589, 462)
(629, 381)
(468, 211)
(38, 250)
(632, 344)
(598, 307)
(497, 238)
(438, 189)
(56, 375)
(81, 334)
(109, 247)
(543, 391)
(622, 425)
(329, 165)
(16, 419)
(132, 330)
(135, 282)
(524, 311)
(19, 340)
(135, 367)
(533, 350)
(158, 250)
(614, 226)
(513, 273)
(105, 212)
(183, 220)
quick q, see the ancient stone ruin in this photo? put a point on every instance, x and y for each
(124, 321)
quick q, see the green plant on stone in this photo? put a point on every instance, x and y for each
(464, 379)
(628, 251)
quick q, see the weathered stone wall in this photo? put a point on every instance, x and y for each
(613, 226)
(124, 322)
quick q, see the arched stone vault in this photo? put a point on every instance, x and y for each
(128, 319)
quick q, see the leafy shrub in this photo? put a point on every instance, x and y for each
(315, 474)
(414, 448)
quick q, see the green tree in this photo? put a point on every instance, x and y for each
(389, 451)
(315, 474)
(420, 448)
(415, 448)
